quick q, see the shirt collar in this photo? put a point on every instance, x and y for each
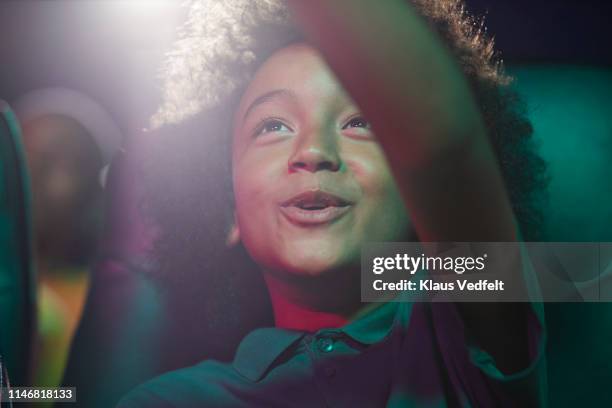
(260, 348)
(379, 320)
(263, 346)
(374, 325)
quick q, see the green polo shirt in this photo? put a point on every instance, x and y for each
(396, 355)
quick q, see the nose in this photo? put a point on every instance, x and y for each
(314, 152)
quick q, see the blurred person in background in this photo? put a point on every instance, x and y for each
(67, 138)
(64, 163)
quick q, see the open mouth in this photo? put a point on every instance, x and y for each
(316, 200)
(314, 208)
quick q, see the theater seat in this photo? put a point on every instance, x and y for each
(115, 346)
(17, 281)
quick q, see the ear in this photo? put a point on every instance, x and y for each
(233, 235)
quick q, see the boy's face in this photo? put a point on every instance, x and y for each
(311, 182)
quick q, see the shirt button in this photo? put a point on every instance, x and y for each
(326, 344)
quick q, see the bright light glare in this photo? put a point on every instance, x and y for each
(144, 20)
(145, 7)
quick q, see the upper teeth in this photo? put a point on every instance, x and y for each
(312, 206)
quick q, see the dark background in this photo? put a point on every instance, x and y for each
(111, 50)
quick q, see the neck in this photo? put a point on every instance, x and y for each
(313, 303)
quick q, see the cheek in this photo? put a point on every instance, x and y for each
(256, 180)
(371, 171)
(254, 175)
(383, 214)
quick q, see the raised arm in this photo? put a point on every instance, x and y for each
(421, 109)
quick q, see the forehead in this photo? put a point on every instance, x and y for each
(299, 69)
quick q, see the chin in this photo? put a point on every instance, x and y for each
(310, 268)
(317, 263)
(306, 257)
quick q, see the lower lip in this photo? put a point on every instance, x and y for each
(303, 217)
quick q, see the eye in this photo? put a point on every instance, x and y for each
(358, 128)
(271, 126)
(357, 122)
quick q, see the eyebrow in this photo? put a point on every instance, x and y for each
(266, 97)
